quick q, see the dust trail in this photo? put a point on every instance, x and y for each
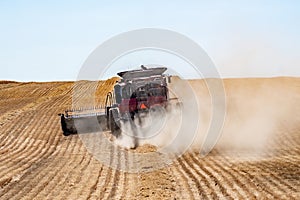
(256, 108)
(155, 129)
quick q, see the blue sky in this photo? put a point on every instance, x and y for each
(50, 40)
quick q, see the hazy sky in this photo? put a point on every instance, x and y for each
(50, 40)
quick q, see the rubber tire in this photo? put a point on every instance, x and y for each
(113, 126)
(66, 133)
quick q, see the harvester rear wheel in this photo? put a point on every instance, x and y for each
(113, 126)
(66, 133)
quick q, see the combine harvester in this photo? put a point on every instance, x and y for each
(137, 93)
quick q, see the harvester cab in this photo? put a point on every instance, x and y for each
(136, 93)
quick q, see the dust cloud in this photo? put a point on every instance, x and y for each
(256, 112)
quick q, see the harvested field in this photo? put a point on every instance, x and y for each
(38, 162)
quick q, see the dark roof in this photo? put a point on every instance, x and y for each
(142, 72)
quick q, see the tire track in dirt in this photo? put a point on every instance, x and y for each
(238, 178)
(22, 117)
(180, 174)
(7, 106)
(68, 151)
(59, 101)
(28, 148)
(23, 177)
(23, 137)
(49, 143)
(109, 177)
(116, 178)
(194, 180)
(94, 186)
(97, 184)
(260, 180)
(40, 177)
(251, 178)
(70, 175)
(14, 113)
(100, 187)
(275, 184)
(49, 151)
(231, 182)
(90, 182)
(131, 178)
(125, 176)
(8, 132)
(291, 162)
(212, 179)
(81, 192)
(235, 183)
(22, 160)
(215, 178)
(121, 180)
